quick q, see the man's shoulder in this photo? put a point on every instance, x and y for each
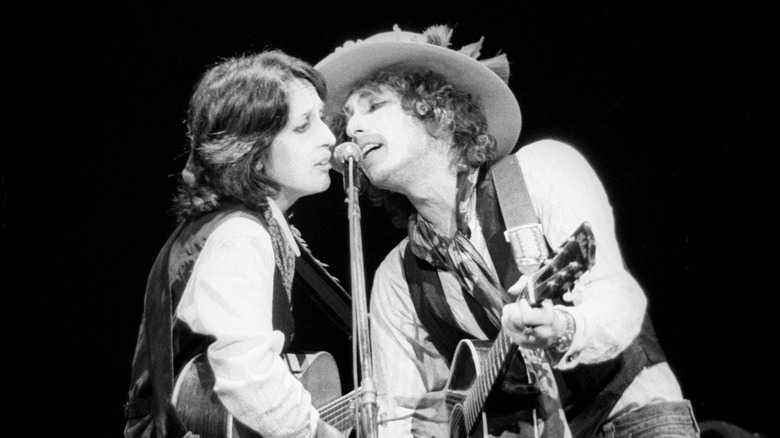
(545, 146)
(391, 269)
(395, 256)
(548, 158)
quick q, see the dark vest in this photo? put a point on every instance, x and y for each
(149, 410)
(589, 392)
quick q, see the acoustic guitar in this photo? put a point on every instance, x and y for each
(203, 414)
(478, 366)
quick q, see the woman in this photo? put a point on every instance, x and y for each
(257, 144)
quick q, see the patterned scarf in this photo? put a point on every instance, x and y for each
(457, 254)
(283, 251)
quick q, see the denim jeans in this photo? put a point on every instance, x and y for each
(656, 420)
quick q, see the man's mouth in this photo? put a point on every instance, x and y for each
(370, 142)
(370, 147)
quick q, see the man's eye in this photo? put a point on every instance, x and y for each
(373, 106)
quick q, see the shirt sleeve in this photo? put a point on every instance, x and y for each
(609, 304)
(410, 373)
(230, 296)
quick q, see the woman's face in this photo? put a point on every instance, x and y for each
(299, 158)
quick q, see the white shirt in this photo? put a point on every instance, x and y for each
(608, 311)
(230, 296)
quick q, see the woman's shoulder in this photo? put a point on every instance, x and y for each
(235, 226)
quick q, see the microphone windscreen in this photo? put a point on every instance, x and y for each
(347, 150)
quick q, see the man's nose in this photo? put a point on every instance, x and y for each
(354, 125)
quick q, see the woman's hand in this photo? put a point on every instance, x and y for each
(325, 430)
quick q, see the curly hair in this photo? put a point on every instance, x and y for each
(237, 108)
(444, 110)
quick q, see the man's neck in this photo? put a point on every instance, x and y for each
(433, 196)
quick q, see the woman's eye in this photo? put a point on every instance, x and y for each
(302, 128)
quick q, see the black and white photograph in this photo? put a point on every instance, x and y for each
(389, 219)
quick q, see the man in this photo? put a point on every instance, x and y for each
(430, 122)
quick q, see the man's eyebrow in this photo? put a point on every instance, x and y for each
(361, 94)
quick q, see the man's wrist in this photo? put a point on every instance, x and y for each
(562, 344)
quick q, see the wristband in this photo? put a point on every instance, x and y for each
(564, 341)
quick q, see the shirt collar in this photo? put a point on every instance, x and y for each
(277, 214)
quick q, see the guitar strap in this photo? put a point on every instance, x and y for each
(529, 247)
(523, 230)
(325, 290)
(516, 208)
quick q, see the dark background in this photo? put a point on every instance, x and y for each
(669, 105)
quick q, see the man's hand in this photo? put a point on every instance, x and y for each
(532, 327)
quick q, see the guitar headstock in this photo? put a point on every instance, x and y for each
(573, 258)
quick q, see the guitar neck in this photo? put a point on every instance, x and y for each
(340, 413)
(478, 392)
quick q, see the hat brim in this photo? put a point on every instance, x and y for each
(347, 66)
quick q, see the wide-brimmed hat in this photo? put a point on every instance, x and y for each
(487, 79)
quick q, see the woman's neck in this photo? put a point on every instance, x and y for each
(282, 202)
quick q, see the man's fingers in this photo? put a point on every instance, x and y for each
(518, 287)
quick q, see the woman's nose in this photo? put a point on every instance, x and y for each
(326, 135)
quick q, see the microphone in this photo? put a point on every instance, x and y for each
(530, 250)
(341, 155)
(345, 151)
(528, 246)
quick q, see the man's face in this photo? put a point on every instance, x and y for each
(394, 143)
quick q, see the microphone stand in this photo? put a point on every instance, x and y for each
(366, 407)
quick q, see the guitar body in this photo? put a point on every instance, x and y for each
(202, 412)
(466, 366)
(485, 393)
(501, 411)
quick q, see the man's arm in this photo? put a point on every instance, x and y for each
(609, 304)
(410, 373)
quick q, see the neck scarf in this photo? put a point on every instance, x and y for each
(283, 251)
(456, 254)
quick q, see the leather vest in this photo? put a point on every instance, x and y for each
(149, 410)
(588, 392)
